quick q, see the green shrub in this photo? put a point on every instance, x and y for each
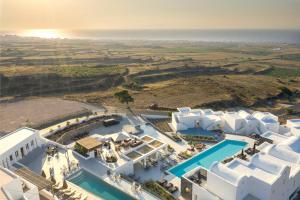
(290, 111)
(80, 150)
(286, 91)
(159, 191)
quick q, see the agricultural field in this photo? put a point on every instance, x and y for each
(166, 73)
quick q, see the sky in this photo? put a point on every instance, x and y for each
(149, 14)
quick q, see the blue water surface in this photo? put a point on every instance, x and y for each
(98, 187)
(206, 158)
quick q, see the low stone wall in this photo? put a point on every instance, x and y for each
(57, 120)
(68, 136)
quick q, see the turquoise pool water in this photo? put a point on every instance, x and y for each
(205, 159)
(98, 187)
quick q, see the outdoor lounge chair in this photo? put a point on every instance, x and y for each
(164, 166)
(195, 178)
(75, 196)
(173, 189)
(58, 186)
(154, 163)
(162, 182)
(69, 193)
(168, 185)
(68, 189)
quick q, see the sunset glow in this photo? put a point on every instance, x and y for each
(43, 33)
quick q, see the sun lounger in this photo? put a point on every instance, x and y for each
(76, 196)
(56, 184)
(162, 182)
(66, 190)
(173, 189)
(164, 166)
(69, 193)
(168, 185)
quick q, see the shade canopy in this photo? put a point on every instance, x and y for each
(89, 143)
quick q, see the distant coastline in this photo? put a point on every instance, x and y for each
(240, 36)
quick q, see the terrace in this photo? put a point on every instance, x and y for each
(144, 149)
(156, 143)
(133, 155)
(199, 177)
(56, 164)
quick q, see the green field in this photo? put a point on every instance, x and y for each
(284, 72)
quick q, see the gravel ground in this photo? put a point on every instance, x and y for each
(36, 111)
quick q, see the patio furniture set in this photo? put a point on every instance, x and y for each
(64, 191)
(168, 186)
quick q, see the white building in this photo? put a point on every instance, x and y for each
(13, 187)
(267, 122)
(272, 174)
(187, 118)
(16, 145)
(294, 126)
(241, 122)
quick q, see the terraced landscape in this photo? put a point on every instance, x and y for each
(166, 73)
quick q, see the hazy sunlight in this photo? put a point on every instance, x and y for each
(43, 33)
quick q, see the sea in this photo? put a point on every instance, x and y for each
(246, 36)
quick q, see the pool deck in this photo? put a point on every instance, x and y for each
(99, 169)
(206, 158)
(250, 141)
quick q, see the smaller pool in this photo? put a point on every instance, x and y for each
(206, 158)
(198, 131)
(98, 187)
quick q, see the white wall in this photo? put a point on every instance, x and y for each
(199, 193)
(264, 127)
(127, 168)
(295, 131)
(220, 187)
(5, 157)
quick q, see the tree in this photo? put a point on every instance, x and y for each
(124, 97)
(290, 111)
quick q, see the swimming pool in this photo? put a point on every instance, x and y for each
(205, 159)
(98, 187)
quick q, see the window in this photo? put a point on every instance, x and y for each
(32, 143)
(11, 158)
(27, 146)
(17, 154)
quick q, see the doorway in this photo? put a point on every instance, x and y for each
(22, 152)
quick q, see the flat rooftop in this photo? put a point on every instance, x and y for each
(89, 143)
(252, 170)
(295, 121)
(10, 140)
(184, 109)
(234, 115)
(277, 138)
